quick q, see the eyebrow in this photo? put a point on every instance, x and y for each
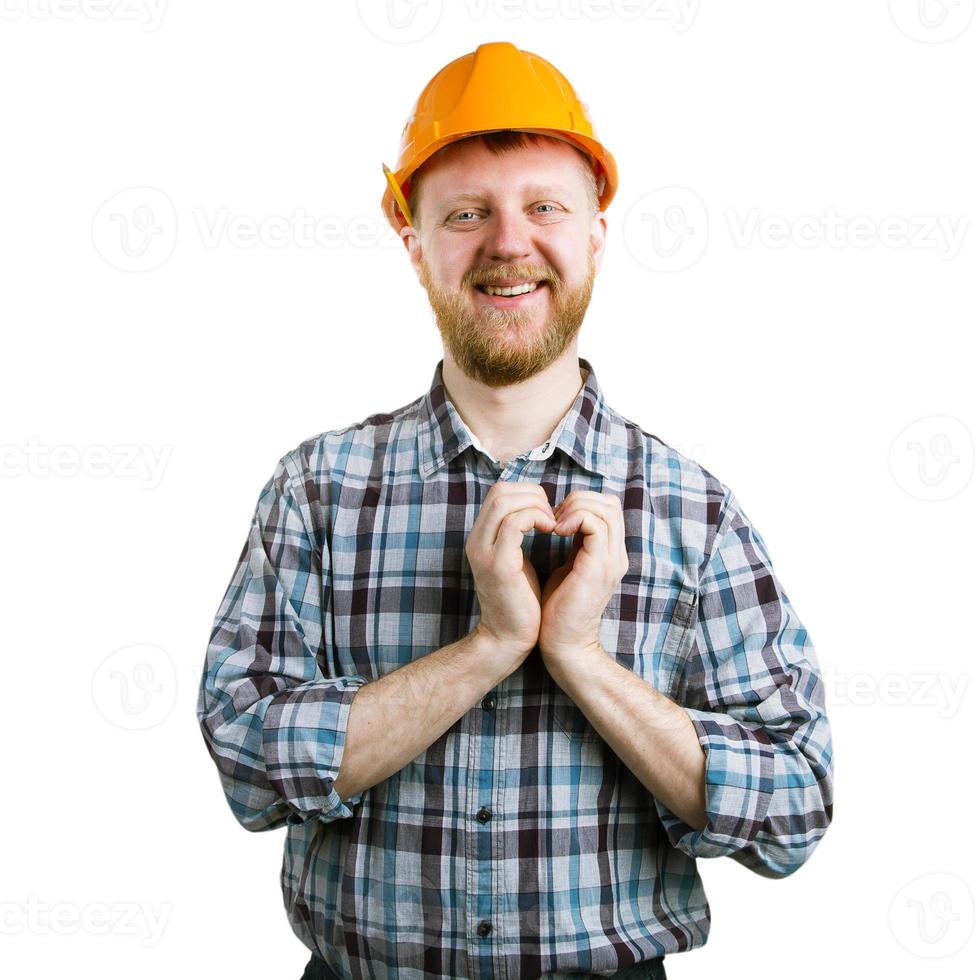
(481, 193)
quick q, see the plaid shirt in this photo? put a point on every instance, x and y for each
(518, 844)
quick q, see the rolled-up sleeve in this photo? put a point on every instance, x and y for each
(752, 687)
(272, 709)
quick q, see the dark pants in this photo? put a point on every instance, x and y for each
(317, 969)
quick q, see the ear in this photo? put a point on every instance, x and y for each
(410, 238)
(597, 239)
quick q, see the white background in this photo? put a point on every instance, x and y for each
(803, 331)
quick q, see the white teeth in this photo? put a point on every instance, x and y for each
(526, 287)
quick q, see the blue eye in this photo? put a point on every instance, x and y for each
(455, 218)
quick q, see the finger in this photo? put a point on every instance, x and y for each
(526, 485)
(574, 496)
(612, 516)
(592, 526)
(496, 507)
(604, 500)
(504, 490)
(545, 519)
(593, 534)
(517, 523)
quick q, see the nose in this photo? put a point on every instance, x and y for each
(508, 237)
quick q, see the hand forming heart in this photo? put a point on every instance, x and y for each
(577, 593)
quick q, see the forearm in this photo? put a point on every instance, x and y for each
(653, 735)
(395, 718)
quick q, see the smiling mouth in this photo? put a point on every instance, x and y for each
(510, 292)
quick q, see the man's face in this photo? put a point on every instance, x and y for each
(518, 217)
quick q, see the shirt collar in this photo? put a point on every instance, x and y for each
(583, 433)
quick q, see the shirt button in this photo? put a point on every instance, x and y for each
(544, 448)
(483, 815)
(484, 929)
(489, 703)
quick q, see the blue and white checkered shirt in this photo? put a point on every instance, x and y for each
(355, 565)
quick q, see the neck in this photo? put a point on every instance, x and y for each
(511, 420)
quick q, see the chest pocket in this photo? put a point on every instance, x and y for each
(648, 627)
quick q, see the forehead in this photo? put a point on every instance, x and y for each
(471, 170)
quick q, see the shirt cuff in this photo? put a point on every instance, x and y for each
(304, 732)
(739, 768)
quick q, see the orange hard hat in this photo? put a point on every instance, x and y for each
(495, 87)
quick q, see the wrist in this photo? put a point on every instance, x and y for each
(487, 647)
(561, 663)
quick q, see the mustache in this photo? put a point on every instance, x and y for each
(494, 274)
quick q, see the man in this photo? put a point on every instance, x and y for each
(502, 662)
